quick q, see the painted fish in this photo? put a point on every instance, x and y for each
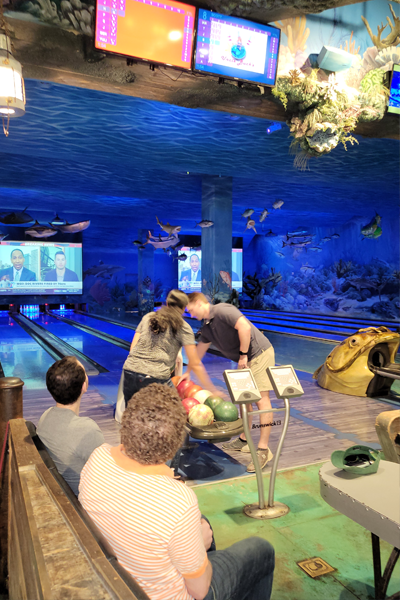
(277, 204)
(170, 229)
(373, 236)
(161, 242)
(3, 236)
(335, 236)
(295, 244)
(226, 278)
(315, 249)
(271, 234)
(296, 233)
(102, 270)
(251, 224)
(73, 227)
(280, 254)
(16, 218)
(307, 269)
(137, 243)
(324, 240)
(247, 213)
(204, 223)
(180, 257)
(264, 215)
(40, 231)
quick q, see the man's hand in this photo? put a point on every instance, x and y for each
(243, 360)
(207, 533)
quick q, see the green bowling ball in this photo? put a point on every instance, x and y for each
(226, 411)
(213, 402)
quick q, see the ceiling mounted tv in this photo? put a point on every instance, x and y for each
(394, 96)
(236, 48)
(157, 32)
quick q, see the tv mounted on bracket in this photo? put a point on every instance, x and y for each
(157, 32)
(394, 96)
(235, 48)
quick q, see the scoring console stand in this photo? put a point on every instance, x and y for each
(243, 391)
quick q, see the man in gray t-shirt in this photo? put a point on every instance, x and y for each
(69, 438)
(228, 329)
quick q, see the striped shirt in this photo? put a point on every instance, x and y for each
(151, 521)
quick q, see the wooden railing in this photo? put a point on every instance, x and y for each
(54, 550)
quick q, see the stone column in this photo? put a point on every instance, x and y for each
(145, 275)
(216, 241)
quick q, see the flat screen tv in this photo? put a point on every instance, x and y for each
(40, 268)
(158, 32)
(189, 274)
(394, 97)
(236, 48)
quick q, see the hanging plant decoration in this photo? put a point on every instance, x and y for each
(323, 112)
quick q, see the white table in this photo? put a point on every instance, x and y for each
(372, 501)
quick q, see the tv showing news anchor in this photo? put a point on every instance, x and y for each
(189, 270)
(40, 268)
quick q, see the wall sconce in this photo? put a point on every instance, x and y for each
(12, 89)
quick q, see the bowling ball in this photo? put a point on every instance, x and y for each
(213, 401)
(188, 403)
(183, 386)
(192, 390)
(175, 379)
(202, 396)
(200, 415)
(226, 411)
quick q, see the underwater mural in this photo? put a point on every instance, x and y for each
(351, 271)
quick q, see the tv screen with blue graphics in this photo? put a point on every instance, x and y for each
(236, 48)
(394, 96)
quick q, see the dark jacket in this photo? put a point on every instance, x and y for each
(68, 275)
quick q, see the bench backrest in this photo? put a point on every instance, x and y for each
(54, 548)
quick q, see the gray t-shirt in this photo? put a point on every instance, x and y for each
(219, 329)
(155, 354)
(69, 440)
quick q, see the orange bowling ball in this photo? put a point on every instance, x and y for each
(175, 379)
(191, 390)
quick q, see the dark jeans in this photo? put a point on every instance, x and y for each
(133, 382)
(244, 571)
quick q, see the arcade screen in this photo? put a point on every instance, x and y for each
(189, 274)
(231, 47)
(160, 32)
(40, 268)
(394, 97)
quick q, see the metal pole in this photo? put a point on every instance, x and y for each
(278, 453)
(253, 451)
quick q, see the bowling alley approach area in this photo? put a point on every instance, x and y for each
(333, 546)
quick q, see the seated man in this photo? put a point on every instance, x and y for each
(153, 521)
(69, 438)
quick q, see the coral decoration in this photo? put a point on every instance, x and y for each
(350, 46)
(390, 40)
(296, 32)
(99, 292)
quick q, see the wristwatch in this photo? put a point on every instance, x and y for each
(243, 353)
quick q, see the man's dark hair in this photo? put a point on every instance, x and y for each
(153, 424)
(15, 249)
(65, 379)
(60, 252)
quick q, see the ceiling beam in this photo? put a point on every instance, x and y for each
(63, 57)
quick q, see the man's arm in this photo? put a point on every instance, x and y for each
(198, 369)
(244, 331)
(198, 587)
(202, 348)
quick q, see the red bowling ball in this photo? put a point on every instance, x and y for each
(183, 386)
(192, 390)
(188, 403)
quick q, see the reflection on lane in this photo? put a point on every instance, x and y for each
(103, 352)
(119, 331)
(21, 356)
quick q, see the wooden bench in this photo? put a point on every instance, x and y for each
(54, 549)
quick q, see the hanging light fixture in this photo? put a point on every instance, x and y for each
(12, 89)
